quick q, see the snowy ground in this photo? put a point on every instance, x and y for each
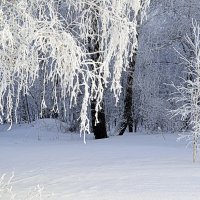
(131, 167)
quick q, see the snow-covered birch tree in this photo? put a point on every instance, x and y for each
(187, 95)
(127, 118)
(116, 32)
(33, 37)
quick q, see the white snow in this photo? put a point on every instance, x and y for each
(132, 167)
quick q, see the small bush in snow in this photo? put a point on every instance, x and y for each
(7, 192)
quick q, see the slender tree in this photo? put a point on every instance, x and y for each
(128, 118)
(187, 95)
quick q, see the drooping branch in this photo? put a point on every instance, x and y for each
(33, 37)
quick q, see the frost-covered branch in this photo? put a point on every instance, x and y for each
(117, 34)
(187, 95)
(33, 37)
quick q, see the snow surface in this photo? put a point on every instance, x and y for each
(131, 167)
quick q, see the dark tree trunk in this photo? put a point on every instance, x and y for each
(127, 116)
(27, 109)
(99, 129)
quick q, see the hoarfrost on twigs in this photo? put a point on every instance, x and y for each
(33, 37)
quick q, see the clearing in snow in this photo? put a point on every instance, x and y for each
(132, 167)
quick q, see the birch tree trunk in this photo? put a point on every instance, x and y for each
(127, 116)
(98, 117)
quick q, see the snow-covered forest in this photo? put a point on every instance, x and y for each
(75, 71)
(64, 59)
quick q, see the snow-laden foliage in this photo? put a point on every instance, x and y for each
(116, 33)
(34, 36)
(187, 95)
